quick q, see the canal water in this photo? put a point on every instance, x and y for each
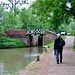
(13, 60)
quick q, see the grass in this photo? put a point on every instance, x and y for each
(63, 37)
(74, 45)
(50, 44)
(74, 48)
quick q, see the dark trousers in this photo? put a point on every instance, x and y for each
(58, 52)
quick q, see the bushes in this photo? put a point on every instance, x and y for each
(73, 33)
(11, 43)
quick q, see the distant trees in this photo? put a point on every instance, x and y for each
(9, 21)
(69, 28)
(29, 20)
(1, 20)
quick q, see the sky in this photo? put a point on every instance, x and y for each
(69, 5)
(16, 0)
(6, 1)
(23, 6)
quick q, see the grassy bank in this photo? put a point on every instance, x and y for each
(74, 45)
(11, 43)
(63, 37)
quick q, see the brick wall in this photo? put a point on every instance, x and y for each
(49, 37)
(18, 34)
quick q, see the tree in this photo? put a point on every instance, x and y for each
(72, 24)
(11, 21)
(24, 18)
(69, 28)
(54, 12)
(1, 20)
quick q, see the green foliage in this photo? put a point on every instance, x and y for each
(54, 12)
(24, 18)
(73, 33)
(10, 43)
(74, 45)
(11, 21)
(8, 21)
(74, 48)
(50, 44)
(73, 28)
(29, 20)
(69, 28)
(1, 20)
(63, 37)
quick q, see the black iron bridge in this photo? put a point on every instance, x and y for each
(36, 31)
(39, 32)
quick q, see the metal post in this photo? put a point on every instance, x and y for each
(48, 46)
(38, 58)
(45, 49)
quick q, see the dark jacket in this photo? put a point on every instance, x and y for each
(56, 43)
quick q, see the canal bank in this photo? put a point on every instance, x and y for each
(35, 65)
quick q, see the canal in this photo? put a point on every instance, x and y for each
(13, 60)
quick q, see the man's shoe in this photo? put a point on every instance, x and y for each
(60, 61)
(57, 62)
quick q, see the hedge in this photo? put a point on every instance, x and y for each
(11, 43)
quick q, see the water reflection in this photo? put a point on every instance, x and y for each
(13, 60)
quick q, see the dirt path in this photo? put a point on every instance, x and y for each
(48, 66)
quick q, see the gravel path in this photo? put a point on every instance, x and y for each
(48, 65)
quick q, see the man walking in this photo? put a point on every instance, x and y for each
(58, 49)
